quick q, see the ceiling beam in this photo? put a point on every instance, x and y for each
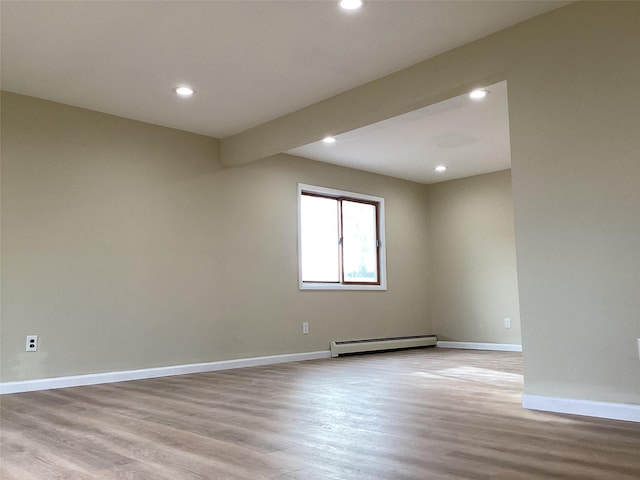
(477, 64)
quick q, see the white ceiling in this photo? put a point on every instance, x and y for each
(468, 136)
(250, 62)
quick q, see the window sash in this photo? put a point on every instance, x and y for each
(371, 244)
(316, 239)
(367, 241)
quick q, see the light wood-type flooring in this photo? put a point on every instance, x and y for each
(418, 414)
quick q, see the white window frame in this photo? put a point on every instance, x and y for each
(331, 192)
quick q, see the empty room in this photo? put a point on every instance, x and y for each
(320, 240)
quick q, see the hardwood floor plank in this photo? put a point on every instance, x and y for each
(410, 415)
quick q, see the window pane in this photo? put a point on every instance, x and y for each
(319, 238)
(359, 232)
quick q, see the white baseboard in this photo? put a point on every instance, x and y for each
(614, 411)
(503, 347)
(122, 376)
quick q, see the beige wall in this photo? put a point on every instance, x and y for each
(473, 260)
(574, 115)
(125, 245)
(576, 184)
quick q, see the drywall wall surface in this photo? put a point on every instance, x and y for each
(101, 232)
(262, 275)
(576, 184)
(574, 113)
(474, 283)
(125, 246)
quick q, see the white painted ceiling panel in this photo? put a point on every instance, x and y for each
(469, 137)
(249, 61)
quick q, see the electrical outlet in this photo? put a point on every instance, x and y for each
(305, 327)
(507, 323)
(32, 343)
(639, 348)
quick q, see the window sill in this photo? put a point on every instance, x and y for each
(333, 286)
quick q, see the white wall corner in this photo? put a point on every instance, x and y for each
(503, 347)
(141, 374)
(614, 411)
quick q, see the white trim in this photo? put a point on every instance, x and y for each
(122, 376)
(338, 286)
(303, 187)
(503, 347)
(589, 408)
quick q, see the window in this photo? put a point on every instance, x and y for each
(340, 240)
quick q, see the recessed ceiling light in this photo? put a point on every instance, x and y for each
(329, 139)
(478, 94)
(440, 168)
(350, 4)
(184, 91)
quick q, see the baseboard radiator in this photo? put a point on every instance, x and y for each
(381, 344)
